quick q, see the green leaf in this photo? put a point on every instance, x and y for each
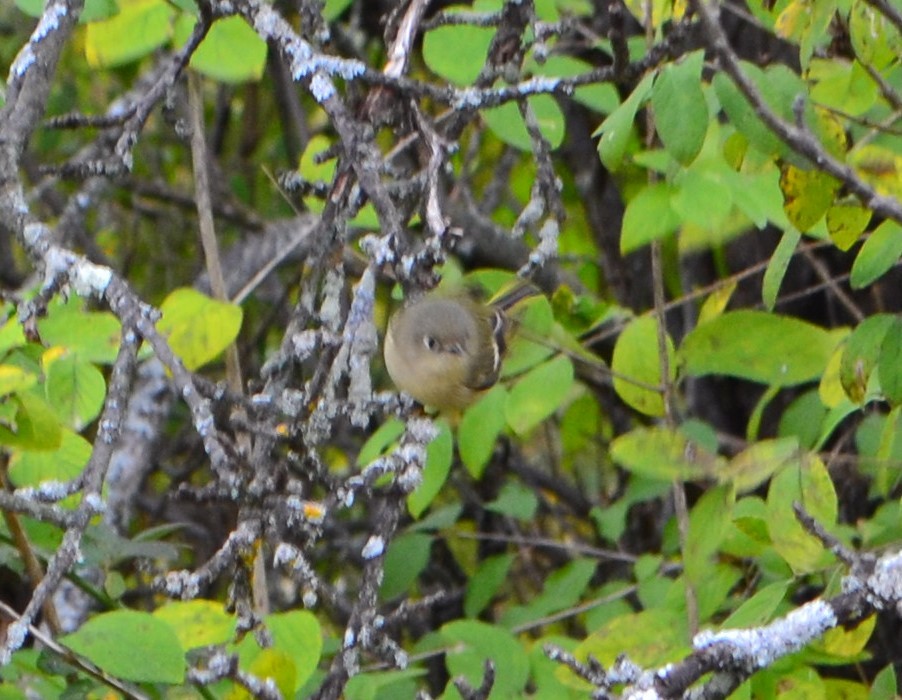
(680, 109)
(708, 522)
(485, 582)
(297, 634)
(457, 52)
(602, 97)
(760, 608)
(439, 454)
(471, 643)
(562, 590)
(884, 684)
(636, 366)
(15, 379)
(703, 196)
(758, 346)
(875, 39)
(538, 394)
(31, 467)
(878, 255)
(93, 336)
(515, 501)
(405, 559)
(862, 353)
(11, 335)
(758, 462)
(231, 52)
(198, 328)
(842, 85)
(508, 125)
(479, 429)
(649, 216)
(132, 645)
(889, 363)
(36, 426)
(615, 131)
(378, 443)
(140, 27)
(651, 638)
(198, 623)
(383, 685)
(75, 388)
(659, 453)
(808, 483)
(777, 265)
(779, 87)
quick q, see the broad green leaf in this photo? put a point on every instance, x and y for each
(884, 684)
(529, 346)
(889, 363)
(296, 634)
(197, 327)
(658, 453)
(470, 643)
(439, 454)
(131, 645)
(703, 196)
(776, 267)
(14, 379)
(650, 638)
(563, 589)
(616, 129)
(875, 39)
(842, 85)
(457, 52)
(708, 522)
(758, 462)
(808, 483)
(760, 608)
(508, 125)
(758, 346)
(602, 97)
(383, 685)
(636, 366)
(332, 9)
(649, 216)
(862, 353)
(378, 443)
(779, 87)
(198, 623)
(878, 255)
(479, 429)
(803, 418)
(35, 425)
(75, 388)
(846, 223)
(680, 109)
(405, 559)
(11, 335)
(807, 194)
(515, 501)
(485, 583)
(140, 27)
(31, 467)
(538, 394)
(231, 52)
(94, 336)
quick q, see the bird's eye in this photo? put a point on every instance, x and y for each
(430, 342)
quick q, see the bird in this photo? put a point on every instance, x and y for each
(446, 348)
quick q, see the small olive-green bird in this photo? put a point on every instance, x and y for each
(444, 349)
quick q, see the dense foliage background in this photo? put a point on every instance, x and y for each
(207, 212)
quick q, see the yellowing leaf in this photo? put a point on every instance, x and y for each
(140, 27)
(13, 379)
(807, 194)
(197, 327)
(636, 366)
(846, 223)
